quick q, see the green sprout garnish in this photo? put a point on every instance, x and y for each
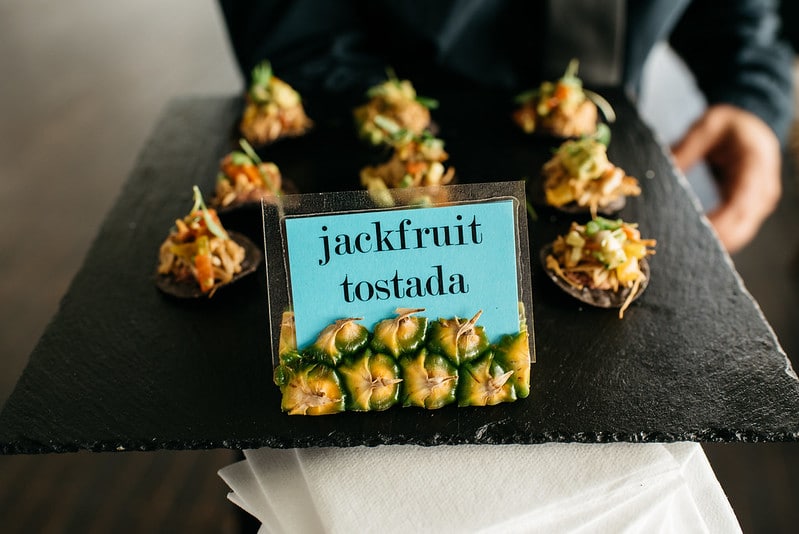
(398, 135)
(429, 103)
(375, 91)
(380, 90)
(199, 204)
(240, 158)
(523, 98)
(262, 74)
(571, 71)
(254, 159)
(392, 75)
(569, 77)
(248, 149)
(430, 141)
(602, 134)
(261, 80)
(598, 224)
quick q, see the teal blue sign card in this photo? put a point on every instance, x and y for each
(449, 260)
(347, 255)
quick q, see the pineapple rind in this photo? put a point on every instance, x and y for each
(450, 362)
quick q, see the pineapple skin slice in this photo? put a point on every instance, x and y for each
(400, 335)
(483, 382)
(312, 389)
(340, 339)
(429, 380)
(512, 353)
(404, 362)
(443, 338)
(372, 381)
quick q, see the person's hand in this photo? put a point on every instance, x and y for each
(744, 154)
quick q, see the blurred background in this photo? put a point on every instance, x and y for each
(83, 84)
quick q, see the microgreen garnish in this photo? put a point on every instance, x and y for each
(375, 91)
(240, 158)
(248, 149)
(598, 224)
(523, 98)
(392, 76)
(429, 103)
(571, 69)
(253, 155)
(262, 74)
(199, 204)
(602, 134)
(261, 80)
(380, 89)
(430, 141)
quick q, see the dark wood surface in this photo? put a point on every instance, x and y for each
(122, 367)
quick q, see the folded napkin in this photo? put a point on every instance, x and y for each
(555, 487)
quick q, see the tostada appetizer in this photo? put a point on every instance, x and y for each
(602, 263)
(397, 103)
(579, 177)
(562, 108)
(199, 256)
(243, 179)
(417, 161)
(273, 109)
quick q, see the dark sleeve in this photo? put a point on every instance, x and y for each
(311, 44)
(733, 50)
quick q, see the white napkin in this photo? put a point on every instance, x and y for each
(555, 487)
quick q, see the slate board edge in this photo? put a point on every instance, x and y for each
(682, 180)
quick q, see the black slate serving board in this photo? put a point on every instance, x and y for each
(121, 366)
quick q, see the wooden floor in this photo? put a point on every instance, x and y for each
(83, 83)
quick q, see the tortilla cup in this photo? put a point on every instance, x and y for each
(190, 289)
(601, 298)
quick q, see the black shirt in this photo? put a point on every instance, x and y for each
(731, 47)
